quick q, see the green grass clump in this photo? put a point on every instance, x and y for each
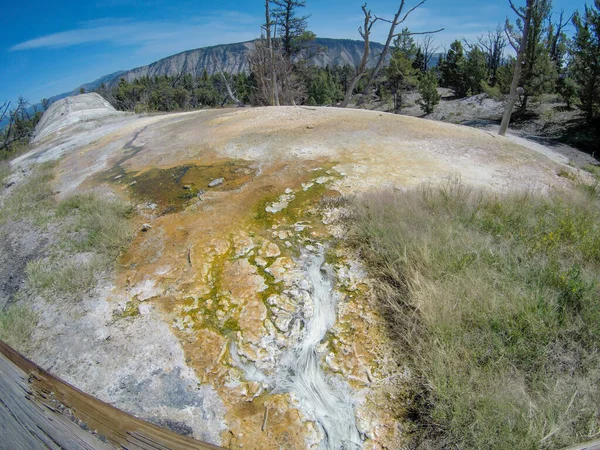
(494, 305)
(16, 325)
(92, 232)
(59, 277)
(33, 199)
(98, 227)
(4, 171)
(98, 224)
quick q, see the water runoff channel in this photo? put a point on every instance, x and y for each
(299, 369)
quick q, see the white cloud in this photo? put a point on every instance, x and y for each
(149, 36)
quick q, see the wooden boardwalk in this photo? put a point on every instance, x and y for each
(40, 411)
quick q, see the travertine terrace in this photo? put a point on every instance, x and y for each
(228, 315)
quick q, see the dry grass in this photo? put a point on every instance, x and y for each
(33, 199)
(97, 224)
(494, 304)
(88, 232)
(4, 171)
(94, 231)
(16, 325)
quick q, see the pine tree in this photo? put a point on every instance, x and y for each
(419, 62)
(476, 71)
(539, 73)
(428, 90)
(400, 72)
(453, 70)
(293, 28)
(585, 63)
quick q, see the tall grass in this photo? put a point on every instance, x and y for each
(494, 305)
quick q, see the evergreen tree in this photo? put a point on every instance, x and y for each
(539, 73)
(585, 59)
(294, 33)
(419, 62)
(400, 72)
(453, 70)
(504, 75)
(476, 71)
(428, 90)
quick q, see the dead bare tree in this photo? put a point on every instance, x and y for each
(365, 32)
(4, 111)
(274, 94)
(555, 32)
(494, 44)
(398, 19)
(521, 48)
(226, 82)
(428, 48)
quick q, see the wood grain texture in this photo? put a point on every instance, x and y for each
(39, 411)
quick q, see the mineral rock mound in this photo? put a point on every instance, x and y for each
(72, 110)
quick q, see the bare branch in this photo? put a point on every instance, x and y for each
(3, 114)
(512, 43)
(420, 32)
(516, 10)
(227, 86)
(411, 10)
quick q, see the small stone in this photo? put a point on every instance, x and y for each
(260, 262)
(310, 127)
(289, 191)
(146, 227)
(187, 187)
(216, 182)
(288, 244)
(307, 186)
(133, 183)
(271, 250)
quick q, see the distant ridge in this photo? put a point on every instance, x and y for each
(233, 58)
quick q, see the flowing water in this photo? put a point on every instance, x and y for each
(299, 371)
(301, 374)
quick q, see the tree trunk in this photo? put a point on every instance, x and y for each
(350, 90)
(274, 98)
(512, 97)
(386, 47)
(360, 70)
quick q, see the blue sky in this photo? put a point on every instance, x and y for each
(52, 47)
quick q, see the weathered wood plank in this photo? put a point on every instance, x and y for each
(27, 424)
(31, 404)
(594, 445)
